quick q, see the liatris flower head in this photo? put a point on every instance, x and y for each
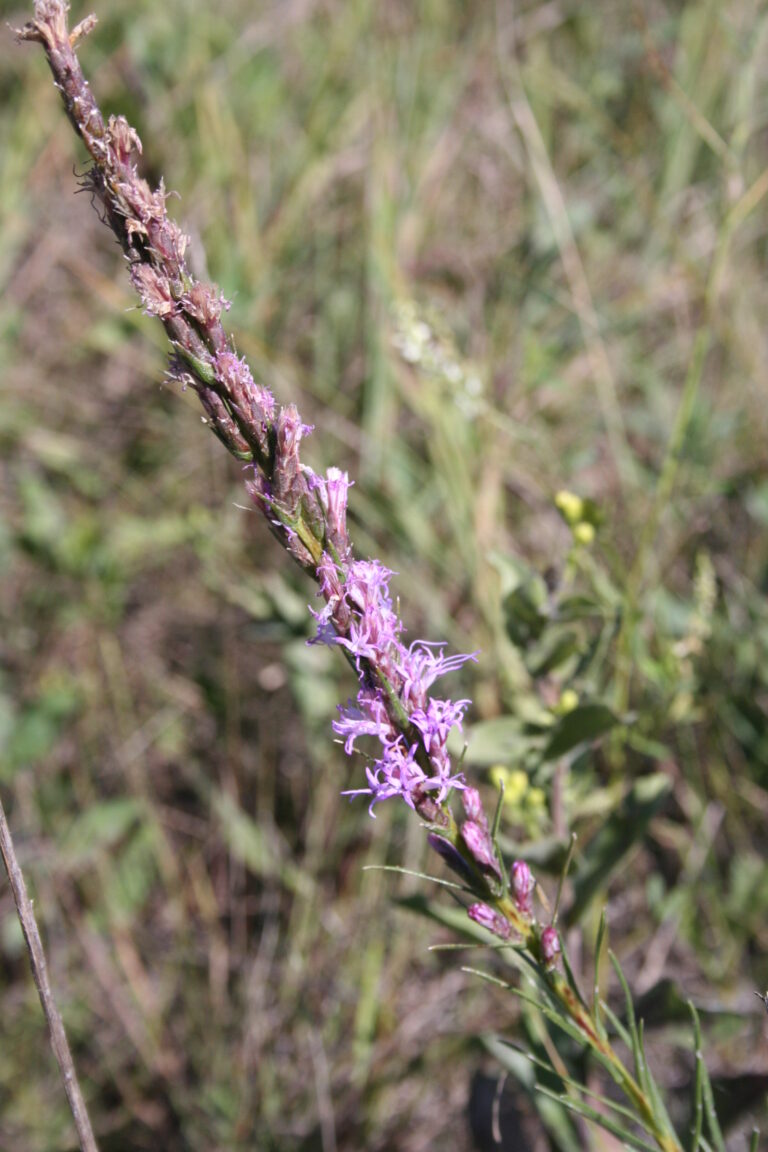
(392, 705)
(306, 512)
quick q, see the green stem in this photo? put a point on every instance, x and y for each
(562, 992)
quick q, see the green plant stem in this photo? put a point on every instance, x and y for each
(562, 992)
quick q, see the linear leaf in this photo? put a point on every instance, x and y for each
(583, 1109)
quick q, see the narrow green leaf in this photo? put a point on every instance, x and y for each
(698, 1086)
(489, 979)
(713, 1123)
(620, 1109)
(602, 1121)
(596, 1013)
(653, 1091)
(617, 1025)
(417, 875)
(572, 984)
(637, 1052)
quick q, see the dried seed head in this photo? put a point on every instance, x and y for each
(154, 290)
(255, 405)
(202, 304)
(49, 25)
(121, 142)
(288, 479)
(168, 243)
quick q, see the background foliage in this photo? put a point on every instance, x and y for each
(510, 260)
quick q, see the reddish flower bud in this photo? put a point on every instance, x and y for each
(491, 919)
(473, 806)
(523, 885)
(479, 843)
(550, 946)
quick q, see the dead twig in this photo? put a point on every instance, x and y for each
(59, 1041)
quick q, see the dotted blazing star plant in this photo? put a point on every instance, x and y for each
(394, 703)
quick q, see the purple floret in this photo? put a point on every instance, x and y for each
(359, 616)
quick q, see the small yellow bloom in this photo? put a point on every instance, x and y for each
(567, 702)
(584, 532)
(571, 506)
(515, 783)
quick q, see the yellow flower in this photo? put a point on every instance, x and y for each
(567, 702)
(584, 532)
(515, 783)
(571, 506)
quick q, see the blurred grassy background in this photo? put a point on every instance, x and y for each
(493, 252)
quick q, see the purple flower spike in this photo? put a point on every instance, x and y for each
(479, 843)
(413, 762)
(491, 919)
(523, 885)
(550, 946)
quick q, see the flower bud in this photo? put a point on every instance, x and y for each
(452, 857)
(473, 806)
(550, 946)
(523, 885)
(491, 919)
(479, 843)
(336, 486)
